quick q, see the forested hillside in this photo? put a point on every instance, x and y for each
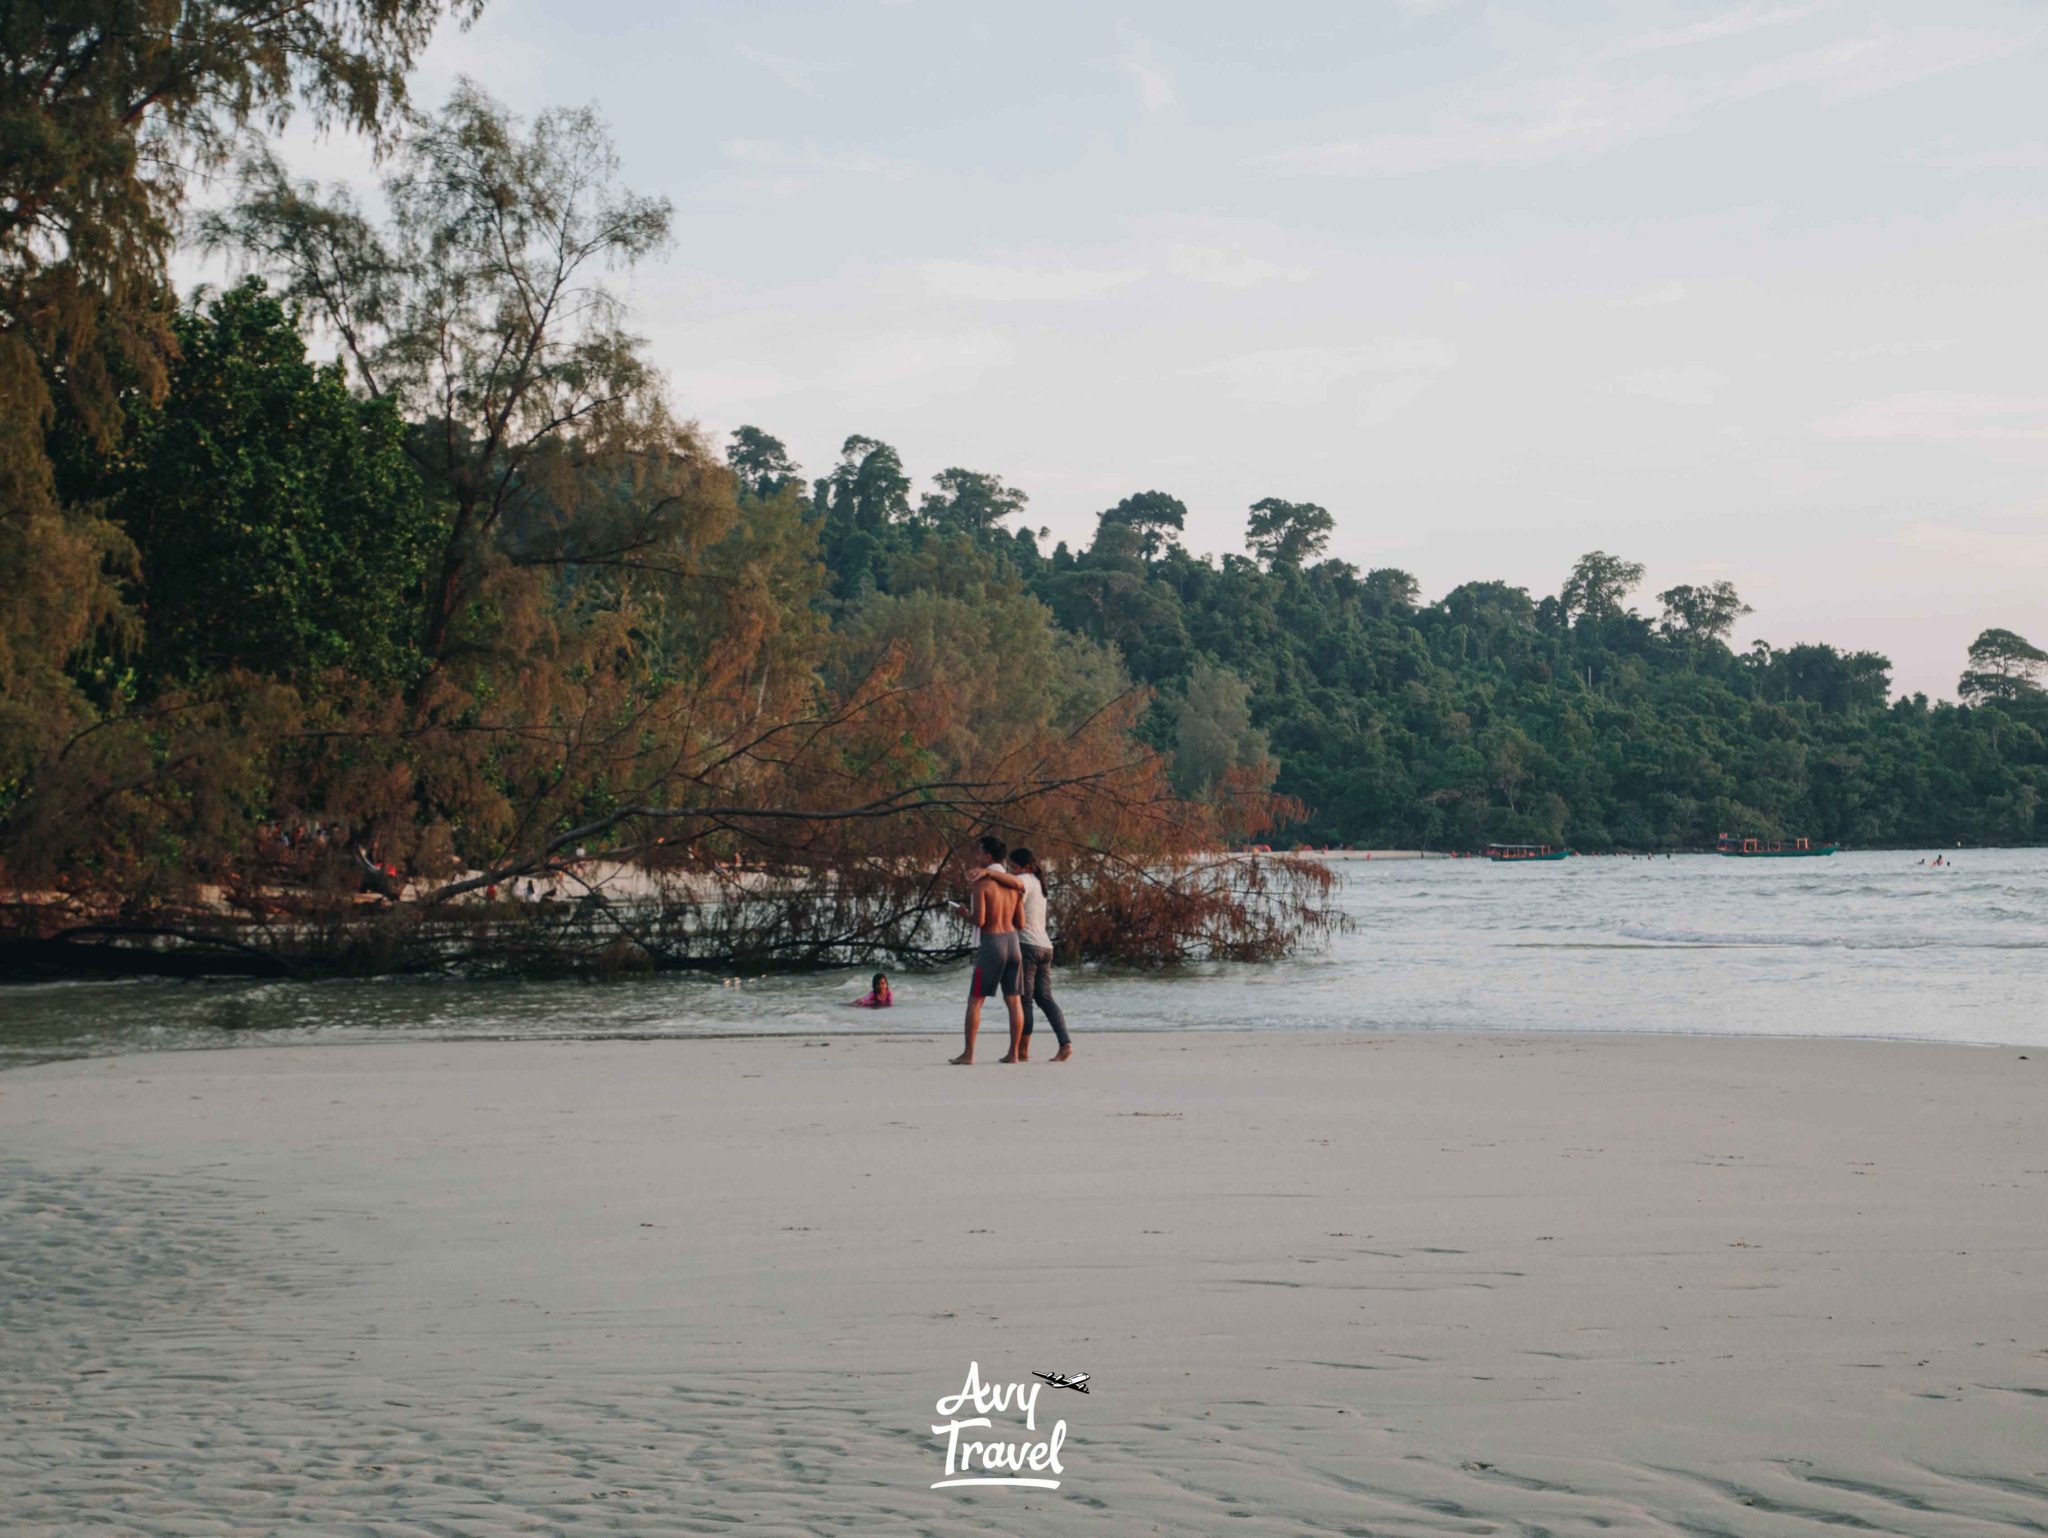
(1489, 713)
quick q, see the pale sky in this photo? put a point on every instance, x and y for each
(1736, 290)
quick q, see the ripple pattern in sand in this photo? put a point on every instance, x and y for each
(159, 1375)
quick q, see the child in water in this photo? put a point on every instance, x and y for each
(879, 996)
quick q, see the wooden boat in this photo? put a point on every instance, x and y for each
(1525, 852)
(1757, 849)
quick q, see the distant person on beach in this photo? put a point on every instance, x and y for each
(994, 909)
(878, 996)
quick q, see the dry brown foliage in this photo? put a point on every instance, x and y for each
(779, 794)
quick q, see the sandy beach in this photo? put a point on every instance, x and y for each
(1344, 1284)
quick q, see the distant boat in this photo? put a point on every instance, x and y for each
(1525, 852)
(1757, 849)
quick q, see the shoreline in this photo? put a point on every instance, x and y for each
(1401, 1283)
(991, 1041)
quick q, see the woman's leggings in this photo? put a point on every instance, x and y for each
(1037, 989)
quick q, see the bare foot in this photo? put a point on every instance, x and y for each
(1063, 1054)
(1007, 1057)
(964, 1060)
(1024, 1053)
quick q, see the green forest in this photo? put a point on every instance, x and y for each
(1487, 714)
(399, 537)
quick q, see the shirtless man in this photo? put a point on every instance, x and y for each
(998, 957)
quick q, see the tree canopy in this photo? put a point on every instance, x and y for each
(1147, 517)
(762, 462)
(483, 311)
(1287, 533)
(280, 526)
(1707, 612)
(106, 107)
(1492, 712)
(1598, 584)
(970, 501)
(2004, 667)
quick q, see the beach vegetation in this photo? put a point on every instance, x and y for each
(108, 109)
(462, 650)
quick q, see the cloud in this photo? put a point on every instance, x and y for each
(905, 368)
(1587, 110)
(1229, 269)
(1155, 91)
(2013, 546)
(798, 74)
(1731, 23)
(806, 155)
(514, 68)
(2007, 157)
(1534, 135)
(1650, 298)
(726, 390)
(1385, 400)
(1002, 283)
(1689, 384)
(1398, 368)
(775, 186)
(1933, 418)
(1904, 349)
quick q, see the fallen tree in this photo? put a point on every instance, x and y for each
(798, 891)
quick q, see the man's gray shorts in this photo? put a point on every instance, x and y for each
(998, 966)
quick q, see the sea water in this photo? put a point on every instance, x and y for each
(1856, 945)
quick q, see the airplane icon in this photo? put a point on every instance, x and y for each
(1073, 1380)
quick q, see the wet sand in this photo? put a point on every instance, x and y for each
(1341, 1284)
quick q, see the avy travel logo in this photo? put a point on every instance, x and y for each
(997, 1456)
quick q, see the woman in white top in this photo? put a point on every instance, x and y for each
(1032, 931)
